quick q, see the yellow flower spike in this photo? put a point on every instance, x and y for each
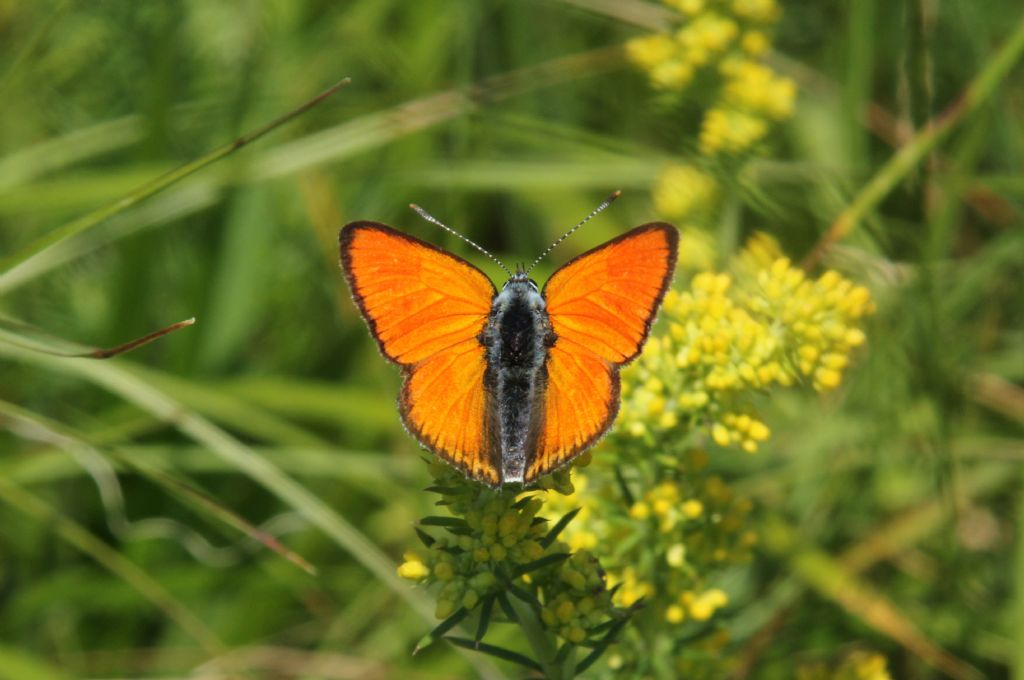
(749, 445)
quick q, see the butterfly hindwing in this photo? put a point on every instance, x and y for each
(601, 306)
(426, 309)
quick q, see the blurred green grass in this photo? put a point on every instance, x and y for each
(100, 98)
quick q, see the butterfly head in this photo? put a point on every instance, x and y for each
(521, 279)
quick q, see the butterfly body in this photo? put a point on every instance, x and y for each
(517, 338)
(507, 385)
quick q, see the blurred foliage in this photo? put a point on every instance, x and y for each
(141, 496)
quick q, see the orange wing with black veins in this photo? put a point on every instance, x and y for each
(426, 308)
(601, 307)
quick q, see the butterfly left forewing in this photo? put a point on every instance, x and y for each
(426, 309)
(601, 306)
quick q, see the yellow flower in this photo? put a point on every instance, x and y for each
(693, 508)
(676, 555)
(756, 88)
(730, 131)
(651, 50)
(755, 43)
(671, 74)
(703, 606)
(762, 11)
(413, 570)
(675, 614)
(690, 7)
(682, 190)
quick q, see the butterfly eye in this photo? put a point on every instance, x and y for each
(533, 284)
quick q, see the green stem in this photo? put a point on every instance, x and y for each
(155, 186)
(921, 144)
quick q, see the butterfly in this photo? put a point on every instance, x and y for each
(507, 385)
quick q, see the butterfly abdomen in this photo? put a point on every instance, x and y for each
(517, 336)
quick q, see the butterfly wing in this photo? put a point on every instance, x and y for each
(601, 307)
(426, 308)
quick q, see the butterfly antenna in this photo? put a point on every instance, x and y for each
(430, 218)
(604, 204)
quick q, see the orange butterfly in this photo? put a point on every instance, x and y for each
(508, 386)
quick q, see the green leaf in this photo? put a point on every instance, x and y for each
(485, 618)
(545, 561)
(558, 528)
(497, 652)
(438, 632)
(603, 645)
(506, 607)
(426, 539)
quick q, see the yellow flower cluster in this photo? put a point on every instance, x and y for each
(500, 531)
(692, 522)
(575, 598)
(494, 542)
(729, 336)
(683, 191)
(699, 606)
(724, 38)
(753, 87)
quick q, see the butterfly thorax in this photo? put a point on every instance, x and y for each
(517, 337)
